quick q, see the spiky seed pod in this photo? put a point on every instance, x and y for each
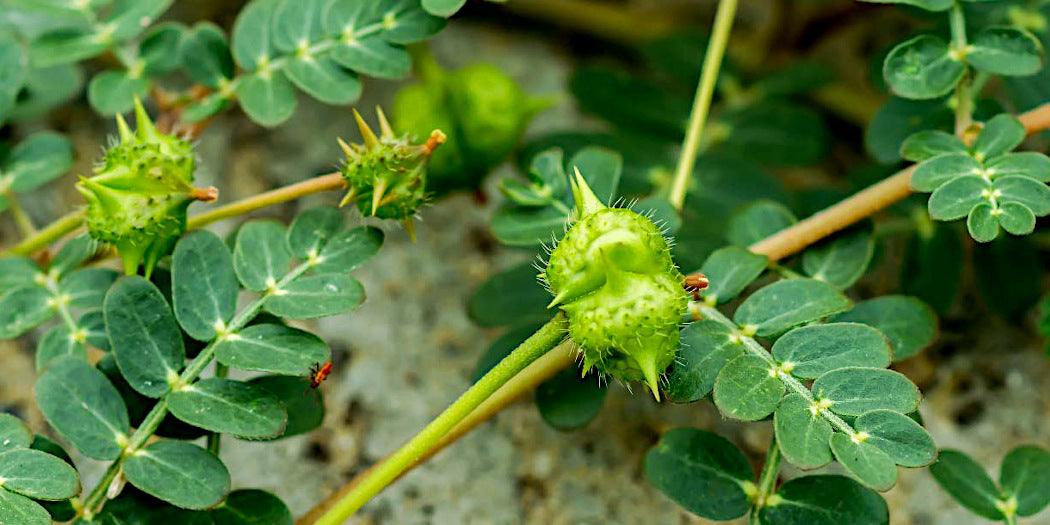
(386, 176)
(613, 276)
(138, 197)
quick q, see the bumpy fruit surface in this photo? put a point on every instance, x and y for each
(483, 110)
(613, 276)
(386, 176)
(138, 197)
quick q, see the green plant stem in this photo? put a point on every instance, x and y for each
(1011, 520)
(716, 49)
(963, 98)
(792, 384)
(54, 231)
(138, 439)
(767, 480)
(544, 340)
(22, 220)
(328, 182)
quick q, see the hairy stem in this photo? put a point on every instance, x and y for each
(53, 232)
(716, 49)
(540, 343)
(767, 480)
(328, 182)
(963, 98)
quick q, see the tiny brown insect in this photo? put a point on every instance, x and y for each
(319, 372)
(694, 283)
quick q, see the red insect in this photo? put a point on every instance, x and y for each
(319, 372)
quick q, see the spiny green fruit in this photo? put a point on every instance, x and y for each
(484, 111)
(138, 197)
(613, 276)
(387, 176)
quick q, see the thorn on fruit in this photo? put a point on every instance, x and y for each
(369, 138)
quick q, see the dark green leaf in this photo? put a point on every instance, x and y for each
(568, 401)
(267, 97)
(820, 348)
(39, 159)
(707, 346)
(898, 119)
(17, 271)
(1005, 271)
(510, 296)
(1032, 194)
(182, 474)
(922, 68)
(112, 92)
(73, 254)
(82, 405)
(870, 465)
(204, 285)
(251, 507)
(324, 79)
(67, 45)
(853, 391)
(145, 339)
(316, 296)
(898, 436)
(443, 7)
(13, 433)
(206, 56)
(729, 270)
(967, 482)
(702, 472)
(312, 229)
(843, 258)
(927, 144)
(302, 403)
(521, 226)
(159, 49)
(983, 224)
(87, 287)
(1001, 134)
(252, 35)
(1026, 478)
(21, 510)
(1029, 164)
(758, 221)
(933, 173)
(229, 407)
(908, 323)
(261, 256)
(776, 133)
(1006, 51)
(37, 475)
(746, 390)
(784, 304)
(347, 251)
(1016, 218)
(272, 348)
(373, 56)
(58, 342)
(824, 500)
(295, 23)
(23, 308)
(802, 433)
(954, 199)
(408, 23)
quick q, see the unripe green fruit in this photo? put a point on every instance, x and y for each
(483, 110)
(138, 197)
(613, 276)
(386, 176)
